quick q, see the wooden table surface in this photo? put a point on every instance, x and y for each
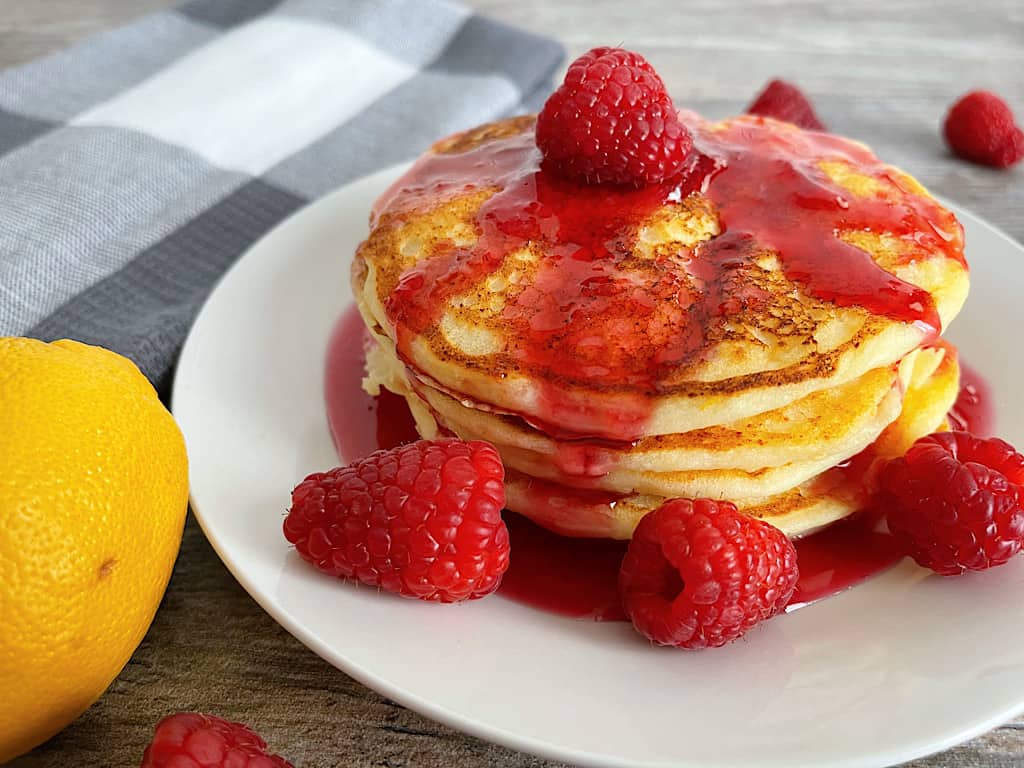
(880, 71)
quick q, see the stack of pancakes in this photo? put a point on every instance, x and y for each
(606, 392)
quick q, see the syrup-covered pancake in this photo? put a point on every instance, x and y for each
(783, 263)
(762, 329)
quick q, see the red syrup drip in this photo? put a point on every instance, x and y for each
(595, 313)
(359, 423)
(569, 576)
(770, 193)
(972, 411)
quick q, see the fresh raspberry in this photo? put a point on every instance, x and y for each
(421, 520)
(699, 574)
(612, 121)
(980, 127)
(784, 101)
(954, 501)
(192, 740)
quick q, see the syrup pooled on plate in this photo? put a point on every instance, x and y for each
(570, 577)
(359, 424)
(973, 410)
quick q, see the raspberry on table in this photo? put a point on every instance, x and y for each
(612, 121)
(954, 501)
(700, 574)
(784, 101)
(193, 740)
(980, 127)
(422, 520)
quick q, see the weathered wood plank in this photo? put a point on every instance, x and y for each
(33, 29)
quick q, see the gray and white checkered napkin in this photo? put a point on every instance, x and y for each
(137, 166)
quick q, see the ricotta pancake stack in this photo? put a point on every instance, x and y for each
(762, 329)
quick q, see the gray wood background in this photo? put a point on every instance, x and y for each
(884, 72)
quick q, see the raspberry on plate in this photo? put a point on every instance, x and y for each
(612, 121)
(699, 574)
(784, 101)
(193, 740)
(422, 520)
(980, 127)
(954, 501)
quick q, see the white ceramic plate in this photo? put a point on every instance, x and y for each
(899, 667)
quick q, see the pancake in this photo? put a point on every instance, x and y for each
(582, 514)
(797, 503)
(796, 442)
(630, 314)
(827, 425)
(831, 496)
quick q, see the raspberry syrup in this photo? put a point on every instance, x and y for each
(359, 423)
(571, 577)
(972, 411)
(594, 313)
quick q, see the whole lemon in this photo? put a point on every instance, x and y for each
(93, 493)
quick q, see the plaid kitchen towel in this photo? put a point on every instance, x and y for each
(137, 166)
